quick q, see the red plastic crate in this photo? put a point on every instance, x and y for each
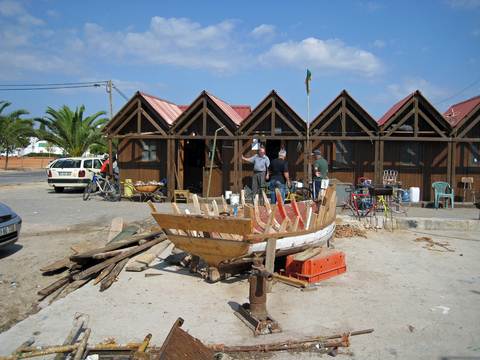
(327, 264)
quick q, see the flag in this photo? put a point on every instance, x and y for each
(308, 78)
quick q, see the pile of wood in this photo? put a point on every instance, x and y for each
(348, 230)
(103, 265)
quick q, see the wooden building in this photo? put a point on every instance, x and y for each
(191, 144)
(274, 124)
(141, 128)
(464, 118)
(346, 135)
(414, 139)
(158, 139)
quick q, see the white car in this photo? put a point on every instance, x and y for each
(74, 172)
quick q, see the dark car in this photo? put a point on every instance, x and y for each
(10, 224)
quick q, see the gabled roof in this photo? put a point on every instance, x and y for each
(457, 112)
(393, 110)
(229, 109)
(166, 109)
(344, 93)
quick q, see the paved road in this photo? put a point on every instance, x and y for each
(21, 177)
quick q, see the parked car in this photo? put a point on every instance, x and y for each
(74, 172)
(10, 224)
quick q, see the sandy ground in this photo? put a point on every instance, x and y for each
(52, 223)
(422, 303)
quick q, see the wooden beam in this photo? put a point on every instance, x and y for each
(219, 123)
(449, 162)
(118, 116)
(204, 116)
(400, 123)
(344, 117)
(324, 113)
(394, 117)
(359, 123)
(220, 224)
(192, 120)
(254, 114)
(139, 117)
(273, 122)
(432, 124)
(415, 120)
(329, 121)
(153, 122)
(469, 127)
(289, 124)
(127, 120)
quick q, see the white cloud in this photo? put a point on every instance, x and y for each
(380, 44)
(15, 10)
(410, 84)
(326, 55)
(264, 31)
(464, 4)
(172, 41)
(53, 13)
(10, 8)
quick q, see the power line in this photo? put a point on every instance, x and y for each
(121, 93)
(49, 87)
(55, 84)
(459, 92)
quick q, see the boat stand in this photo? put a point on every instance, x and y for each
(254, 314)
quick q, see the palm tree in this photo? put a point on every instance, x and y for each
(70, 131)
(15, 132)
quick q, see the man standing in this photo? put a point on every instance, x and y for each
(320, 172)
(260, 162)
(280, 176)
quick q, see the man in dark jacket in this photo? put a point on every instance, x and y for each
(279, 178)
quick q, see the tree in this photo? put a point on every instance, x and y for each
(15, 132)
(70, 131)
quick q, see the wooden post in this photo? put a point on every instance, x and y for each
(236, 159)
(381, 159)
(110, 156)
(454, 163)
(377, 162)
(270, 259)
(449, 162)
(171, 168)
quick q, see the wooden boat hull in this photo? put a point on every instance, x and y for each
(317, 238)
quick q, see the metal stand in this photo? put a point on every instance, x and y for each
(254, 314)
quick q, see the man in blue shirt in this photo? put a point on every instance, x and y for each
(260, 162)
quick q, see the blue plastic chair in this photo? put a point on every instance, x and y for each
(443, 190)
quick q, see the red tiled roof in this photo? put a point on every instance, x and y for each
(242, 110)
(393, 110)
(183, 107)
(167, 110)
(457, 112)
(229, 110)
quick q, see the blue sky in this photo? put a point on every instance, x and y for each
(240, 50)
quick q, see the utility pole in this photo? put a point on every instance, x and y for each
(110, 151)
(109, 90)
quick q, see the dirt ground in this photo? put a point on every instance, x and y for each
(52, 223)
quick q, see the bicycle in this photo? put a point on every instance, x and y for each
(104, 186)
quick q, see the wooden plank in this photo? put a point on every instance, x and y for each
(110, 254)
(103, 273)
(269, 225)
(54, 286)
(270, 259)
(204, 223)
(126, 233)
(112, 276)
(57, 265)
(117, 245)
(142, 262)
(96, 268)
(211, 250)
(296, 210)
(116, 228)
(80, 321)
(290, 281)
(307, 254)
(309, 217)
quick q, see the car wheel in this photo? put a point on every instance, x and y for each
(58, 189)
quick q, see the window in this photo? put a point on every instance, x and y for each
(149, 150)
(410, 153)
(97, 164)
(87, 164)
(343, 153)
(474, 155)
(67, 163)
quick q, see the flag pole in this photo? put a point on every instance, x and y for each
(308, 147)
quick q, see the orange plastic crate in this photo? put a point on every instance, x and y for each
(327, 264)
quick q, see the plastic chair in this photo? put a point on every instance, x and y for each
(468, 188)
(443, 190)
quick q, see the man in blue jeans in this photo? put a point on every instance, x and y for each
(279, 176)
(320, 172)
